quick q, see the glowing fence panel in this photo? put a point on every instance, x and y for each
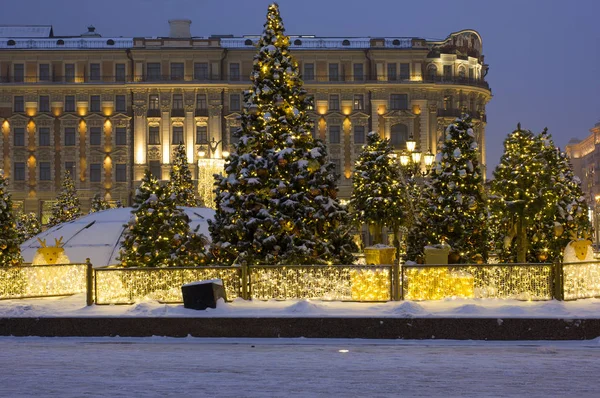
(356, 283)
(581, 280)
(128, 285)
(506, 281)
(42, 281)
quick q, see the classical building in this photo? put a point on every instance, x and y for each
(107, 108)
(585, 159)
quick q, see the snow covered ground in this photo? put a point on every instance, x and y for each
(74, 306)
(191, 367)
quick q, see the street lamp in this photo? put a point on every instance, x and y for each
(411, 158)
(212, 147)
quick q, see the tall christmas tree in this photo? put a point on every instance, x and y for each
(67, 206)
(538, 203)
(457, 206)
(158, 233)
(10, 253)
(277, 202)
(99, 204)
(376, 197)
(181, 183)
(28, 225)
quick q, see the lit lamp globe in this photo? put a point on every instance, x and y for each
(201, 153)
(225, 154)
(429, 158)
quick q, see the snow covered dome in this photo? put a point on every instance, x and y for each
(97, 236)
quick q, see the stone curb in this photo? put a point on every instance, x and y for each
(363, 328)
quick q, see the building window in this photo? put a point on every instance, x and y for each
(121, 172)
(44, 72)
(431, 71)
(69, 73)
(154, 135)
(178, 101)
(70, 167)
(399, 136)
(334, 72)
(334, 134)
(234, 71)
(94, 72)
(201, 71)
(359, 103)
(44, 103)
(234, 102)
(121, 136)
(448, 102)
(201, 101)
(448, 72)
(359, 72)
(234, 137)
(153, 71)
(95, 172)
(70, 136)
(95, 103)
(44, 136)
(405, 71)
(19, 73)
(309, 71)
(155, 169)
(201, 134)
(177, 135)
(153, 102)
(334, 102)
(19, 103)
(120, 72)
(69, 103)
(19, 136)
(45, 173)
(391, 72)
(120, 105)
(461, 72)
(359, 134)
(177, 71)
(398, 101)
(19, 174)
(337, 165)
(96, 136)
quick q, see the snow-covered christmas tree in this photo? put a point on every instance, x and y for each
(377, 199)
(28, 225)
(67, 206)
(181, 183)
(277, 202)
(456, 211)
(99, 204)
(10, 253)
(538, 204)
(158, 233)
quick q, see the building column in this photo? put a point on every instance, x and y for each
(139, 141)
(165, 136)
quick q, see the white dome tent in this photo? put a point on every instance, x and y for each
(97, 236)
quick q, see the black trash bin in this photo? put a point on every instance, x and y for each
(203, 294)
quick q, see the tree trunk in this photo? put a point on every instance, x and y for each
(522, 242)
(375, 229)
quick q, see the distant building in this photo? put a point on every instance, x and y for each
(108, 108)
(585, 158)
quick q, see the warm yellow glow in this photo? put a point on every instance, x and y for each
(40, 281)
(381, 109)
(370, 285)
(107, 110)
(347, 109)
(140, 153)
(581, 280)
(416, 109)
(225, 154)
(201, 153)
(322, 109)
(31, 111)
(207, 168)
(82, 110)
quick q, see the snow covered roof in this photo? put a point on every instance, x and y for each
(26, 31)
(66, 43)
(97, 236)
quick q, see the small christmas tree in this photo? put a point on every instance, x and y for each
(538, 203)
(158, 233)
(181, 180)
(457, 206)
(67, 206)
(28, 225)
(99, 204)
(376, 197)
(10, 253)
(277, 202)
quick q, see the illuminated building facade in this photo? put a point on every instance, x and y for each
(108, 108)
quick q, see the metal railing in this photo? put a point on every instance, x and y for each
(27, 281)
(242, 78)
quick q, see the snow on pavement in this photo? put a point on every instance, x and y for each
(74, 306)
(169, 367)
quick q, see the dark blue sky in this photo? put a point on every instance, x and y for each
(544, 55)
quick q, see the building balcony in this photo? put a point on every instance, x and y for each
(456, 112)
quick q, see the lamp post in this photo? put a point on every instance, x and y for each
(209, 165)
(410, 159)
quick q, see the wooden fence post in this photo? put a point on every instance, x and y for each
(559, 281)
(245, 293)
(89, 273)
